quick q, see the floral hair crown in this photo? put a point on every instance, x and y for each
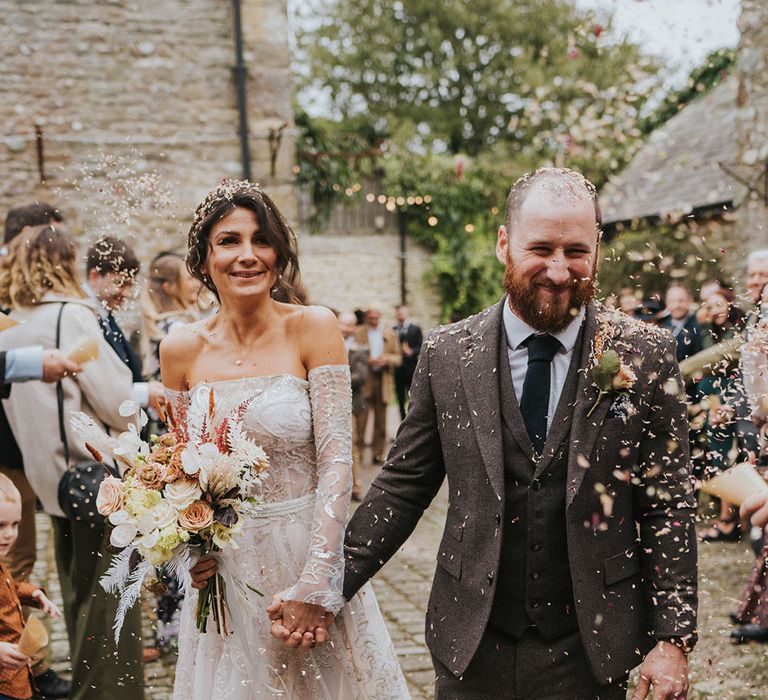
(227, 189)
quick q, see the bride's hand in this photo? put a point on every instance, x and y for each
(202, 571)
(299, 625)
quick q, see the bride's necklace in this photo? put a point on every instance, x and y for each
(246, 352)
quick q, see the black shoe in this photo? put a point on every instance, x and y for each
(51, 685)
(750, 633)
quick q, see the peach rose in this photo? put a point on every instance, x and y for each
(110, 497)
(150, 475)
(173, 468)
(196, 517)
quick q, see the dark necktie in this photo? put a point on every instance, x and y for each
(535, 401)
(116, 338)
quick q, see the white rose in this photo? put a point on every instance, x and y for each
(182, 493)
(123, 535)
(164, 514)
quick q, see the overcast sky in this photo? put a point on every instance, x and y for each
(682, 32)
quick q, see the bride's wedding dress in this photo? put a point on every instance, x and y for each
(292, 544)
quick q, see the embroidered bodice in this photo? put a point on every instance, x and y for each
(305, 428)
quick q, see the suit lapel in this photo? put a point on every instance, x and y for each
(584, 429)
(479, 370)
(510, 409)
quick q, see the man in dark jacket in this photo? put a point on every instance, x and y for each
(411, 338)
(680, 318)
(569, 550)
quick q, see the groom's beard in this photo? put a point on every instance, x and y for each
(554, 314)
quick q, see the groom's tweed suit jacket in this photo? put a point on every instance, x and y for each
(629, 505)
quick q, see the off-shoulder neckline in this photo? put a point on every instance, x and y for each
(259, 377)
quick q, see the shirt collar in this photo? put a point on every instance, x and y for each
(517, 330)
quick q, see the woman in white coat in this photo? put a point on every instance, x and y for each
(40, 282)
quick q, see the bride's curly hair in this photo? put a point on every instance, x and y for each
(43, 259)
(220, 202)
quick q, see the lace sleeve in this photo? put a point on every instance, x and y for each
(322, 578)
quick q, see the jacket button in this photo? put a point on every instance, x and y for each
(498, 518)
(490, 578)
(535, 603)
(536, 546)
(535, 576)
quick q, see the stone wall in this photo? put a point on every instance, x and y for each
(752, 123)
(122, 88)
(347, 272)
(137, 106)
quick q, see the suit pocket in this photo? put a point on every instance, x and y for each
(449, 556)
(622, 565)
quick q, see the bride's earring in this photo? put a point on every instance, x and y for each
(278, 279)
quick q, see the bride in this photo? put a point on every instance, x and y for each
(283, 369)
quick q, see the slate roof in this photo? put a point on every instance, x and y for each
(677, 170)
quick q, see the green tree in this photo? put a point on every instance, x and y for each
(465, 75)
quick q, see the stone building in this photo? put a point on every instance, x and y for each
(706, 169)
(95, 95)
(124, 113)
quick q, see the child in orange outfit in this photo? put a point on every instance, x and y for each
(15, 681)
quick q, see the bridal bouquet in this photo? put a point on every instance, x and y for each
(181, 496)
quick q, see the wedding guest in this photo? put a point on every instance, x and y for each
(40, 281)
(111, 269)
(24, 554)
(27, 215)
(569, 550)
(628, 300)
(680, 318)
(727, 321)
(410, 337)
(169, 299)
(751, 615)
(16, 681)
(383, 356)
(358, 369)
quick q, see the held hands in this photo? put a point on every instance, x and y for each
(299, 625)
(57, 366)
(47, 605)
(666, 669)
(11, 657)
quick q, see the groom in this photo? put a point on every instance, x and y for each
(568, 555)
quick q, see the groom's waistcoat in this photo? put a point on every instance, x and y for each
(534, 586)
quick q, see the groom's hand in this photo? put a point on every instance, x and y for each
(299, 625)
(666, 669)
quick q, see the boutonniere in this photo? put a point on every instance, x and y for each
(611, 375)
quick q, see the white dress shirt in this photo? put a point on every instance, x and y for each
(375, 342)
(517, 331)
(23, 364)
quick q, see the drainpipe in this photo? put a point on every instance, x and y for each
(240, 76)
